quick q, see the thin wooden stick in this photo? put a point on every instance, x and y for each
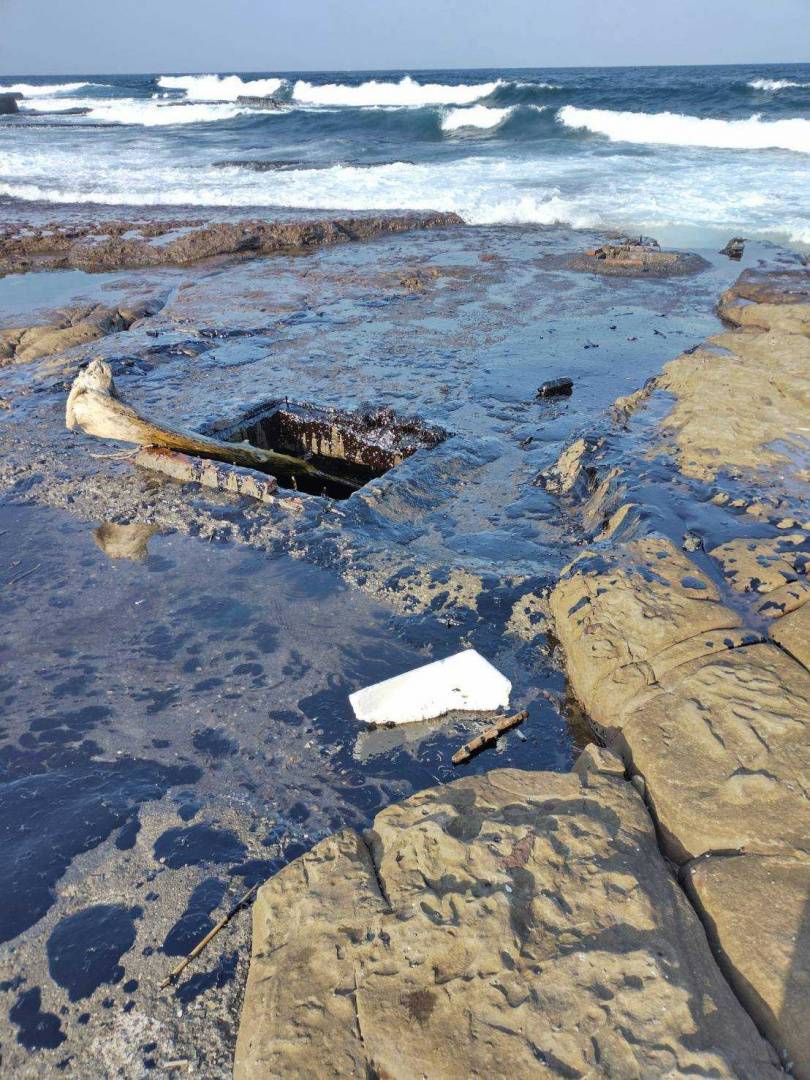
(209, 937)
(19, 577)
(488, 736)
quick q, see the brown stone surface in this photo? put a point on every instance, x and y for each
(769, 300)
(763, 565)
(619, 614)
(114, 245)
(637, 258)
(724, 749)
(74, 326)
(712, 717)
(508, 925)
(735, 407)
(716, 722)
(757, 913)
(792, 632)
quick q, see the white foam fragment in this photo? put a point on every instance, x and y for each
(465, 682)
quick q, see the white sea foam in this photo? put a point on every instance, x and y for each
(538, 86)
(777, 84)
(673, 129)
(760, 195)
(219, 87)
(476, 116)
(403, 93)
(46, 90)
(144, 112)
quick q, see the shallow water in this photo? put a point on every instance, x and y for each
(24, 295)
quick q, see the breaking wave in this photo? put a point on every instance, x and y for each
(673, 129)
(777, 84)
(149, 113)
(750, 197)
(219, 87)
(406, 92)
(476, 116)
(31, 90)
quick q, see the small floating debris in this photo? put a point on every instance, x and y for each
(555, 388)
(464, 682)
(487, 737)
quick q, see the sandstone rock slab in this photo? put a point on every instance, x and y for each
(724, 749)
(509, 925)
(618, 612)
(757, 912)
(792, 632)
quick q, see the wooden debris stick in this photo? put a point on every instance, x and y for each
(488, 736)
(94, 406)
(19, 577)
(209, 937)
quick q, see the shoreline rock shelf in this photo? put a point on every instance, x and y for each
(118, 245)
(705, 697)
(534, 918)
(513, 922)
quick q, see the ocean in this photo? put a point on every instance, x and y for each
(677, 150)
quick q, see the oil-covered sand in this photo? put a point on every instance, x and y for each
(176, 724)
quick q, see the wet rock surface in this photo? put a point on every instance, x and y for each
(181, 688)
(75, 326)
(517, 917)
(105, 246)
(637, 258)
(685, 631)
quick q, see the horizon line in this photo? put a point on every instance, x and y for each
(405, 70)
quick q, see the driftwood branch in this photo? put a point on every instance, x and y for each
(94, 406)
(488, 736)
(209, 937)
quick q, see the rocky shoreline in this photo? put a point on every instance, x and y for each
(117, 245)
(529, 914)
(498, 918)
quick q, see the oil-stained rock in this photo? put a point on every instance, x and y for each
(514, 924)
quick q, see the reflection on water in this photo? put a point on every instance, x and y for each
(124, 541)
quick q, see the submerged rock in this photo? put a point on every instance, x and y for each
(255, 102)
(734, 248)
(519, 924)
(637, 258)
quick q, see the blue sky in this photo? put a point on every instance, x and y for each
(109, 36)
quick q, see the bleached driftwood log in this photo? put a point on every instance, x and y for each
(94, 406)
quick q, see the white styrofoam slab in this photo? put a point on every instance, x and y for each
(466, 682)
